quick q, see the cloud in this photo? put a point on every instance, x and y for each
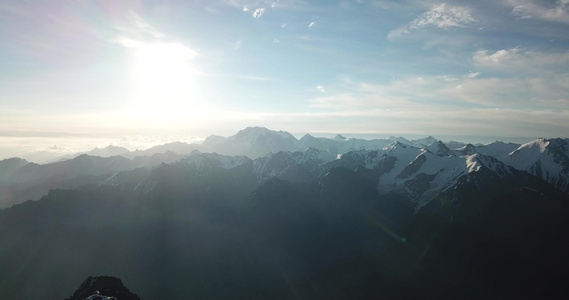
(245, 8)
(321, 89)
(472, 74)
(516, 59)
(525, 9)
(311, 24)
(446, 78)
(136, 26)
(439, 16)
(258, 12)
(444, 16)
(443, 92)
(462, 105)
(483, 57)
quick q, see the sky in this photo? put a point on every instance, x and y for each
(75, 74)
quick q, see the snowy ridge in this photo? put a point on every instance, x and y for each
(295, 164)
(405, 155)
(499, 150)
(528, 154)
(439, 148)
(422, 174)
(423, 142)
(547, 159)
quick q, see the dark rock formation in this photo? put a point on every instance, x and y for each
(107, 285)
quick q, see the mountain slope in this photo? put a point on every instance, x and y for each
(206, 226)
(547, 159)
(32, 181)
(10, 166)
(253, 142)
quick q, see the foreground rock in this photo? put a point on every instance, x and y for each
(107, 285)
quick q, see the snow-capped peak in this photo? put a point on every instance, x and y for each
(537, 145)
(439, 149)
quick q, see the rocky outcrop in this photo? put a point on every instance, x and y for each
(106, 285)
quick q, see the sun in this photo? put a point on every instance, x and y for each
(163, 79)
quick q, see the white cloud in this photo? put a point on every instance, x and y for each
(321, 89)
(137, 25)
(245, 9)
(443, 92)
(439, 16)
(483, 57)
(311, 24)
(446, 78)
(472, 74)
(519, 59)
(444, 16)
(258, 12)
(463, 105)
(525, 9)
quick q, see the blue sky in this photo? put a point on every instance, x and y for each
(163, 70)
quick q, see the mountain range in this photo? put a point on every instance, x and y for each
(262, 214)
(419, 168)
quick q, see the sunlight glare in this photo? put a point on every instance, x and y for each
(163, 80)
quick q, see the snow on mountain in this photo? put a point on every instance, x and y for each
(544, 158)
(476, 161)
(499, 150)
(324, 144)
(439, 149)
(404, 155)
(467, 149)
(293, 166)
(342, 146)
(361, 144)
(419, 173)
(454, 144)
(253, 142)
(400, 139)
(528, 154)
(423, 142)
(419, 168)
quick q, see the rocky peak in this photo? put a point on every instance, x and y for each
(468, 149)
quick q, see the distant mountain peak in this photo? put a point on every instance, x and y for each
(252, 133)
(307, 136)
(339, 137)
(110, 150)
(439, 149)
(397, 144)
(467, 149)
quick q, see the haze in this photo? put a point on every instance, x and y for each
(79, 74)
